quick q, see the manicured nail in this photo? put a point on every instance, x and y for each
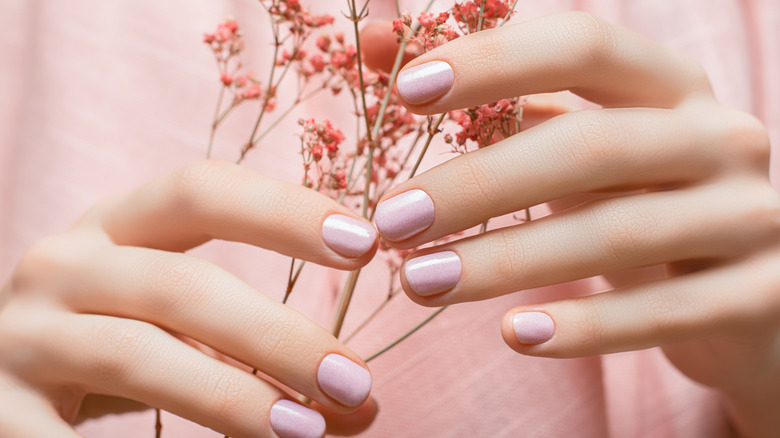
(291, 420)
(344, 380)
(405, 215)
(348, 236)
(425, 82)
(433, 273)
(533, 327)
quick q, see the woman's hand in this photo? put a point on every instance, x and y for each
(682, 183)
(113, 307)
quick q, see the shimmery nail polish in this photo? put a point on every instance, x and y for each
(533, 327)
(433, 273)
(348, 236)
(344, 380)
(404, 215)
(291, 420)
(425, 82)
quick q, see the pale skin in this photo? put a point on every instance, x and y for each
(682, 183)
(662, 176)
(90, 311)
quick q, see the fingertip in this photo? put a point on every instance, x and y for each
(351, 237)
(528, 331)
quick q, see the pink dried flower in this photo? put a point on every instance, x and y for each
(252, 92)
(323, 42)
(226, 78)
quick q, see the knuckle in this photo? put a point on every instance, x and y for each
(592, 38)
(478, 182)
(44, 259)
(661, 308)
(591, 327)
(509, 256)
(227, 396)
(177, 282)
(748, 138)
(624, 233)
(597, 144)
(186, 186)
(120, 347)
(696, 75)
(282, 338)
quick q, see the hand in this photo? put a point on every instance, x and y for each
(682, 183)
(113, 307)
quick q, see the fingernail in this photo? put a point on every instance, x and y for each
(404, 215)
(348, 236)
(533, 327)
(425, 82)
(344, 380)
(433, 273)
(291, 420)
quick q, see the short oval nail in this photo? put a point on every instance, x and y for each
(404, 215)
(533, 327)
(348, 236)
(425, 82)
(433, 273)
(291, 420)
(344, 380)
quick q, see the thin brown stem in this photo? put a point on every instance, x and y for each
(346, 297)
(508, 14)
(350, 286)
(216, 121)
(481, 15)
(370, 317)
(405, 335)
(293, 278)
(432, 131)
(355, 17)
(158, 423)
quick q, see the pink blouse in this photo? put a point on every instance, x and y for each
(98, 96)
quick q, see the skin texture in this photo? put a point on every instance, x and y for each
(661, 175)
(116, 308)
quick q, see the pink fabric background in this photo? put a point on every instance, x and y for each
(98, 96)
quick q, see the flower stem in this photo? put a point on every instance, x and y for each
(346, 297)
(508, 14)
(292, 278)
(350, 286)
(431, 132)
(405, 335)
(481, 15)
(157, 423)
(217, 120)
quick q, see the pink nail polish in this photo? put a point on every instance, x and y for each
(404, 215)
(533, 327)
(348, 236)
(425, 82)
(344, 380)
(433, 273)
(291, 420)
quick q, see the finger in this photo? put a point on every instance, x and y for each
(197, 299)
(734, 299)
(351, 423)
(601, 236)
(583, 151)
(132, 359)
(215, 200)
(573, 51)
(23, 414)
(379, 45)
